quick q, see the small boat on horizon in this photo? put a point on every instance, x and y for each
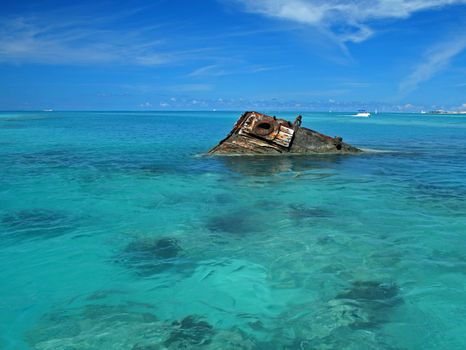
(362, 114)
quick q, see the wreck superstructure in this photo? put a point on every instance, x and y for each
(256, 133)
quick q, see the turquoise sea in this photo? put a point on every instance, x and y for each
(116, 233)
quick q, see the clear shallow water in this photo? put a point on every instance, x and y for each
(116, 234)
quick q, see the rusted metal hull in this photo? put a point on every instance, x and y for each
(257, 133)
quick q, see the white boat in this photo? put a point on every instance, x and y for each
(362, 114)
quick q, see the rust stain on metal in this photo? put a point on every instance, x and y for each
(257, 133)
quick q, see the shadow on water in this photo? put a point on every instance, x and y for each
(37, 223)
(267, 165)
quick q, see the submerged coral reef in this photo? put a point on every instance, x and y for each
(149, 256)
(35, 223)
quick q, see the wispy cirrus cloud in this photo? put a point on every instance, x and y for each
(182, 88)
(209, 70)
(217, 70)
(80, 40)
(356, 84)
(435, 60)
(345, 21)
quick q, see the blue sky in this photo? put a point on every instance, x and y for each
(233, 54)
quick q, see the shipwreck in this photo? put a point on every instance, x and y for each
(259, 134)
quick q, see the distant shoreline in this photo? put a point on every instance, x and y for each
(226, 110)
(447, 112)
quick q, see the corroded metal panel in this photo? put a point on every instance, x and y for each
(257, 133)
(284, 136)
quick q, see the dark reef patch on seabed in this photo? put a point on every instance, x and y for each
(353, 319)
(300, 211)
(370, 291)
(158, 169)
(94, 326)
(340, 324)
(190, 331)
(125, 326)
(224, 198)
(371, 300)
(54, 158)
(12, 126)
(240, 223)
(439, 195)
(36, 223)
(101, 160)
(149, 256)
(451, 261)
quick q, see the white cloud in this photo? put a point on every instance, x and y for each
(72, 39)
(210, 70)
(191, 88)
(344, 20)
(435, 60)
(145, 105)
(356, 84)
(232, 68)
(153, 59)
